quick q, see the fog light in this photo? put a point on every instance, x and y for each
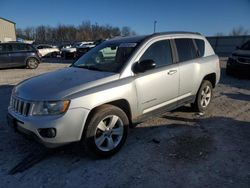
(47, 132)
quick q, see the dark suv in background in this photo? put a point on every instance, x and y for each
(239, 62)
(15, 54)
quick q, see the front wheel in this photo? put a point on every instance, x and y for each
(32, 63)
(106, 131)
(203, 97)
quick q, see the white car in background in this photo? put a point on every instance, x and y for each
(70, 52)
(47, 50)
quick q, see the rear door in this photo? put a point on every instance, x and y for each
(5, 56)
(188, 64)
(18, 54)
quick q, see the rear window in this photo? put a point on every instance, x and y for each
(201, 47)
(185, 48)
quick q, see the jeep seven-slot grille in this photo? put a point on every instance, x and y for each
(20, 106)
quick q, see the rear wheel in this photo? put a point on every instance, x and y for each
(32, 63)
(106, 131)
(203, 97)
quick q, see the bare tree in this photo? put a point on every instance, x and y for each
(237, 31)
(219, 34)
(70, 33)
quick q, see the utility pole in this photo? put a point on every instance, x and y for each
(155, 25)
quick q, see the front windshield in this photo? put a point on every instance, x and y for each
(246, 46)
(107, 57)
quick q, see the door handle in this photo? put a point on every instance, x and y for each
(171, 72)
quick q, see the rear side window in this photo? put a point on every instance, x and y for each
(201, 47)
(28, 47)
(160, 52)
(21, 47)
(18, 47)
(185, 48)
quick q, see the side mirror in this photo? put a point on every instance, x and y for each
(144, 65)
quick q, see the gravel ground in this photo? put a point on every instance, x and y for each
(178, 149)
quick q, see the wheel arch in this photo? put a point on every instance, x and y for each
(26, 59)
(211, 78)
(123, 104)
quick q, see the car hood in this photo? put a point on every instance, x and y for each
(242, 53)
(61, 84)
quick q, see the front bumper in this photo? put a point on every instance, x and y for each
(69, 126)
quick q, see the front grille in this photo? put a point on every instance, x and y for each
(20, 106)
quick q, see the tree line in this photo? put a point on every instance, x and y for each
(86, 31)
(236, 31)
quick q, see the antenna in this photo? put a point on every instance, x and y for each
(155, 25)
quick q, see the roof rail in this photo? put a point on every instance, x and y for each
(175, 32)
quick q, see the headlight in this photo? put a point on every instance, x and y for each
(50, 108)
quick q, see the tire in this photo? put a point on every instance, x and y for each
(32, 63)
(203, 97)
(99, 139)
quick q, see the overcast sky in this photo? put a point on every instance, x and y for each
(205, 16)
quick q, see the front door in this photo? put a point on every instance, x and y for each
(158, 87)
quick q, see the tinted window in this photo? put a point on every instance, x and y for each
(160, 52)
(5, 48)
(246, 46)
(28, 47)
(201, 46)
(18, 47)
(185, 48)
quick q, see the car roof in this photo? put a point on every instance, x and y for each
(138, 39)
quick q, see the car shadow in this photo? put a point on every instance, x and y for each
(238, 96)
(188, 143)
(234, 80)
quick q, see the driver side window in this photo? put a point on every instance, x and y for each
(160, 52)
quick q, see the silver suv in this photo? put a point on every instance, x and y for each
(116, 84)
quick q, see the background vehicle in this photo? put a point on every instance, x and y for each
(140, 77)
(16, 54)
(47, 50)
(239, 62)
(70, 52)
(81, 50)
